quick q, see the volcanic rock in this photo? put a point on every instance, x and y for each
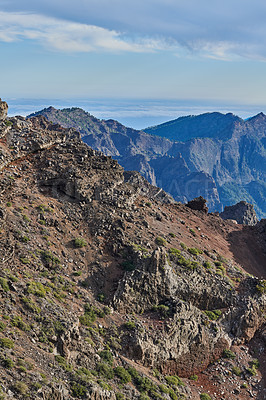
(241, 212)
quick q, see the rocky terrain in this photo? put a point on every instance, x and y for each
(218, 156)
(112, 290)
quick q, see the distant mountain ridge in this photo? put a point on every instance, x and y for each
(219, 156)
(208, 125)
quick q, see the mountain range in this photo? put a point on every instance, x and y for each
(218, 156)
(110, 290)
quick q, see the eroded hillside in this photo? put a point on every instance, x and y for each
(111, 290)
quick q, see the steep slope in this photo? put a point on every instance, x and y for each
(109, 289)
(221, 158)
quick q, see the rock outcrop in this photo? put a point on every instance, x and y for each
(3, 110)
(198, 204)
(241, 212)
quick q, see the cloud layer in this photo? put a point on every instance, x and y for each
(69, 36)
(226, 30)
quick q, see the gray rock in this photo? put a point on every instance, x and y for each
(241, 212)
(3, 110)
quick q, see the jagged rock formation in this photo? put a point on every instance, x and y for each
(108, 287)
(3, 110)
(241, 212)
(198, 204)
(216, 156)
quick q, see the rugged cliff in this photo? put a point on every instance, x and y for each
(111, 290)
(220, 157)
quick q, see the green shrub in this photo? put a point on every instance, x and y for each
(119, 396)
(37, 289)
(89, 316)
(184, 247)
(213, 315)
(80, 242)
(2, 326)
(174, 380)
(194, 251)
(133, 372)
(78, 390)
(50, 260)
(254, 365)
(218, 263)
(122, 374)
(205, 396)
(8, 363)
(143, 397)
(107, 356)
(101, 297)
(31, 305)
(18, 323)
(24, 260)
(21, 387)
(9, 204)
(25, 218)
(236, 370)
(207, 264)
(130, 325)
(172, 235)
(164, 389)
(193, 377)
(63, 363)
(174, 252)
(227, 353)
(105, 370)
(4, 284)
(6, 343)
(160, 241)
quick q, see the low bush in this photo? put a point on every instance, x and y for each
(174, 380)
(4, 284)
(227, 353)
(213, 315)
(160, 241)
(122, 374)
(205, 396)
(77, 390)
(105, 370)
(130, 325)
(80, 242)
(107, 356)
(21, 387)
(6, 343)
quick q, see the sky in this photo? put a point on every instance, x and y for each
(198, 52)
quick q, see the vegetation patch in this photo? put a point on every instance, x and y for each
(80, 242)
(213, 315)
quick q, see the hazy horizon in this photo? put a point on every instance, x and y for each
(134, 113)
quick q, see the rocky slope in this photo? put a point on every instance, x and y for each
(220, 157)
(111, 290)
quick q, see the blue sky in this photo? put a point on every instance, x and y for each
(189, 50)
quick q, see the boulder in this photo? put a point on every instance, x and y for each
(199, 204)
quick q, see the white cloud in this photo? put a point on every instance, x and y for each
(69, 36)
(228, 30)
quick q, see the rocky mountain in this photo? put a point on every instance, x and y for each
(220, 157)
(110, 290)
